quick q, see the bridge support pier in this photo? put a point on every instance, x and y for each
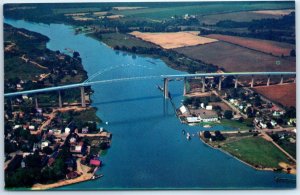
(203, 84)
(252, 81)
(166, 91)
(184, 86)
(236, 82)
(36, 102)
(220, 84)
(82, 97)
(59, 99)
(281, 80)
(268, 82)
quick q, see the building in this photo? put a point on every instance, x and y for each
(95, 162)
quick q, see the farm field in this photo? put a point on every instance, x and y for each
(174, 40)
(284, 94)
(246, 16)
(273, 47)
(233, 58)
(167, 10)
(275, 12)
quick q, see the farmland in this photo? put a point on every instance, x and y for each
(173, 40)
(235, 58)
(270, 47)
(246, 16)
(284, 94)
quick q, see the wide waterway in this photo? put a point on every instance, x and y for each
(148, 148)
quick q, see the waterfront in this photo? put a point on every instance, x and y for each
(148, 148)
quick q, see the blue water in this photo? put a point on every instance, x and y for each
(148, 149)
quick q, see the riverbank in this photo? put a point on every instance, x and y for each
(252, 150)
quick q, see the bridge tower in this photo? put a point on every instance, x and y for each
(268, 81)
(82, 97)
(59, 99)
(184, 86)
(203, 84)
(166, 90)
(220, 84)
(236, 82)
(281, 79)
(252, 81)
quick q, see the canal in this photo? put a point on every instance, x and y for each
(148, 149)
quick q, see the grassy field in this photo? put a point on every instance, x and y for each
(256, 151)
(283, 94)
(235, 58)
(119, 39)
(165, 12)
(235, 16)
(269, 47)
(236, 124)
(15, 67)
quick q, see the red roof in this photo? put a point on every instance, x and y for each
(95, 162)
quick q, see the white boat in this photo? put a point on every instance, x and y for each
(207, 126)
(188, 136)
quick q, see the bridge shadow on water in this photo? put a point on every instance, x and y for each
(133, 99)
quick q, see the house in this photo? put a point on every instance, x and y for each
(209, 107)
(193, 119)
(207, 115)
(262, 124)
(85, 130)
(273, 123)
(31, 128)
(45, 144)
(95, 162)
(183, 109)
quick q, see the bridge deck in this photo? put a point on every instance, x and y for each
(84, 84)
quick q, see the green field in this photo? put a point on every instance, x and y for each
(120, 39)
(256, 151)
(165, 12)
(236, 124)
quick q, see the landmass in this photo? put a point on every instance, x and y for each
(47, 145)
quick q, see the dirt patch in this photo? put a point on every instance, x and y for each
(284, 94)
(233, 58)
(127, 8)
(174, 40)
(275, 12)
(270, 47)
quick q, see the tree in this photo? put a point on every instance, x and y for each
(76, 54)
(228, 114)
(47, 150)
(206, 134)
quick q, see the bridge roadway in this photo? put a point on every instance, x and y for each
(203, 75)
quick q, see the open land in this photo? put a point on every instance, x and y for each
(256, 151)
(174, 40)
(234, 58)
(284, 94)
(247, 16)
(265, 46)
(275, 12)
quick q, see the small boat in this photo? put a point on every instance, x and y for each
(207, 126)
(97, 176)
(188, 137)
(160, 88)
(183, 131)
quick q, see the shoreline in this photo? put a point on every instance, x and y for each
(242, 161)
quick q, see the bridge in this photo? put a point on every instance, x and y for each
(166, 79)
